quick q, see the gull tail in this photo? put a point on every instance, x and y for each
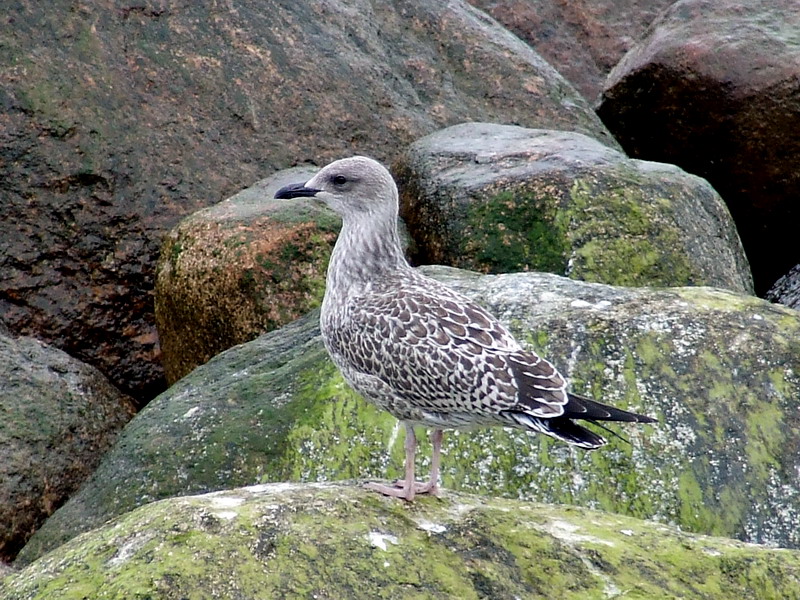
(581, 407)
(565, 429)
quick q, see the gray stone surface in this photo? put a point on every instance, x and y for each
(583, 39)
(714, 88)
(786, 290)
(119, 119)
(499, 198)
(57, 417)
(721, 372)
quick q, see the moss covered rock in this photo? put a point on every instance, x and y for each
(720, 370)
(244, 266)
(57, 417)
(500, 199)
(582, 39)
(714, 87)
(121, 118)
(339, 541)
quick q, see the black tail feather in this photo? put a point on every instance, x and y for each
(571, 432)
(561, 428)
(581, 407)
(565, 429)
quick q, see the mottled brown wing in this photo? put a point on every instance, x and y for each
(444, 353)
(542, 389)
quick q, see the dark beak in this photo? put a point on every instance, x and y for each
(295, 190)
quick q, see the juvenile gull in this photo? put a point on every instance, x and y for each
(420, 350)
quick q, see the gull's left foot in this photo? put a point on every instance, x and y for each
(401, 490)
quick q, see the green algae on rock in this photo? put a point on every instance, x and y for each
(57, 417)
(499, 199)
(239, 268)
(336, 541)
(144, 112)
(720, 370)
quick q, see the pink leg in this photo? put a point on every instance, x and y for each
(407, 488)
(403, 489)
(432, 486)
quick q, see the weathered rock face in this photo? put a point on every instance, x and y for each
(244, 266)
(119, 120)
(58, 416)
(340, 541)
(482, 196)
(499, 198)
(786, 290)
(582, 39)
(715, 89)
(720, 370)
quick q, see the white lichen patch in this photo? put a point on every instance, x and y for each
(378, 539)
(190, 413)
(457, 510)
(129, 548)
(568, 533)
(225, 515)
(282, 487)
(580, 304)
(261, 488)
(226, 501)
(600, 305)
(281, 399)
(549, 297)
(430, 527)
(610, 590)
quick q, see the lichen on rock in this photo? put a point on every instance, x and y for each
(338, 541)
(719, 370)
(500, 199)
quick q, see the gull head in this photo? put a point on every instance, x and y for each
(353, 187)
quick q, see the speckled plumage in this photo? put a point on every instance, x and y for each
(419, 349)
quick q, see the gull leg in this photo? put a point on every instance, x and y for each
(405, 488)
(432, 486)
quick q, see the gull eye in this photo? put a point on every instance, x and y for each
(339, 179)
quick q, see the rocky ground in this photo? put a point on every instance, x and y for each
(718, 369)
(334, 541)
(124, 128)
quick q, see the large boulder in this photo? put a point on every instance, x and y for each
(119, 120)
(244, 266)
(58, 417)
(481, 196)
(715, 89)
(500, 198)
(583, 39)
(720, 370)
(340, 541)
